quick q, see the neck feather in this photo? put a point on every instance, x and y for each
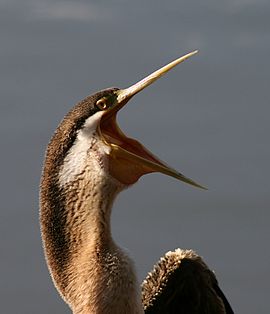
(90, 271)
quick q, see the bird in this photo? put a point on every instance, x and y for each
(88, 162)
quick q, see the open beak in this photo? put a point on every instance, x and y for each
(129, 159)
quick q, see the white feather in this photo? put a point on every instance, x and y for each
(76, 159)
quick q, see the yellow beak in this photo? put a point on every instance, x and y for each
(129, 158)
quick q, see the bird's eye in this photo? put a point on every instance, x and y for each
(102, 103)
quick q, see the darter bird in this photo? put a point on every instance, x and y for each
(89, 160)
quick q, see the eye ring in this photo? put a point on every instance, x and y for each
(102, 103)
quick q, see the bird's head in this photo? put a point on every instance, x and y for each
(93, 121)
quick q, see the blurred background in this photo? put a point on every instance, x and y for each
(209, 118)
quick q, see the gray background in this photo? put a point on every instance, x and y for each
(209, 118)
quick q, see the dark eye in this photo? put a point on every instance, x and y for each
(102, 103)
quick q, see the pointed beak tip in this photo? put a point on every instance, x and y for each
(203, 188)
(193, 52)
(197, 185)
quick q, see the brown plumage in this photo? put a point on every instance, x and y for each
(88, 162)
(182, 283)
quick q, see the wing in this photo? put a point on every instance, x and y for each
(182, 283)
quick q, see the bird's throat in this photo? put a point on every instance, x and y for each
(89, 269)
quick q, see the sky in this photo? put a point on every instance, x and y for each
(208, 118)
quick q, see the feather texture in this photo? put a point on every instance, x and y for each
(182, 283)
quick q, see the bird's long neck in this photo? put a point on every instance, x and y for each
(90, 271)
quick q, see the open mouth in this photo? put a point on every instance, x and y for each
(113, 136)
(129, 159)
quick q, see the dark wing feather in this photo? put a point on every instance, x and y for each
(228, 308)
(182, 283)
